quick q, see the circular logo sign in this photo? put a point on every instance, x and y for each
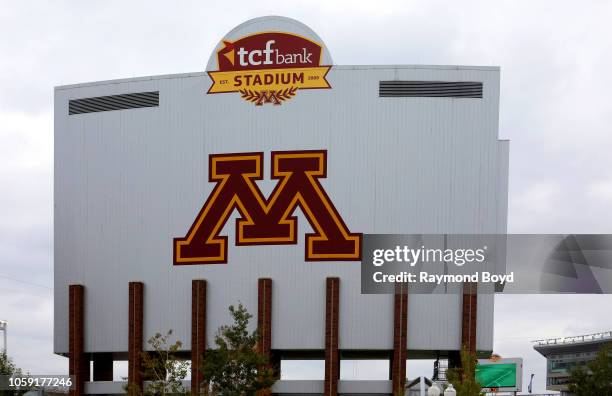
(268, 60)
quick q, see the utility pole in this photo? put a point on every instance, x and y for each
(3, 326)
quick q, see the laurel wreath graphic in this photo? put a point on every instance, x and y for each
(272, 96)
(286, 93)
(249, 95)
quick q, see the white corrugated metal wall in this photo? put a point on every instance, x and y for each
(128, 181)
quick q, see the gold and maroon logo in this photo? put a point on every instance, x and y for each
(268, 221)
(269, 67)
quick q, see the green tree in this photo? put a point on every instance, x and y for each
(464, 378)
(7, 367)
(596, 378)
(162, 368)
(236, 367)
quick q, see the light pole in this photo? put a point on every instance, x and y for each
(3, 326)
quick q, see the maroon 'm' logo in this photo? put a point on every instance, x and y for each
(268, 221)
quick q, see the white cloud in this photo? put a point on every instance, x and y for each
(601, 190)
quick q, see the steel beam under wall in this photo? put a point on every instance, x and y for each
(135, 337)
(102, 366)
(77, 365)
(469, 317)
(264, 323)
(198, 332)
(332, 357)
(400, 329)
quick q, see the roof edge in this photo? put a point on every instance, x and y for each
(338, 67)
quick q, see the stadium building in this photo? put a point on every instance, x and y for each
(255, 180)
(564, 354)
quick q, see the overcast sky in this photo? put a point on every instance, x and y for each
(555, 60)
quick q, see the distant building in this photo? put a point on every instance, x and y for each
(563, 354)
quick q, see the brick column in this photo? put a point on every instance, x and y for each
(264, 322)
(400, 329)
(469, 316)
(135, 338)
(332, 356)
(198, 333)
(264, 316)
(77, 365)
(102, 366)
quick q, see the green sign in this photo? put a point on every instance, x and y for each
(496, 375)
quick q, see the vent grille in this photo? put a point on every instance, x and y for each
(113, 102)
(430, 89)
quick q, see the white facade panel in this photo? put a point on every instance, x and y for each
(127, 182)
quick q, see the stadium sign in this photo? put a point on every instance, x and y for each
(269, 67)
